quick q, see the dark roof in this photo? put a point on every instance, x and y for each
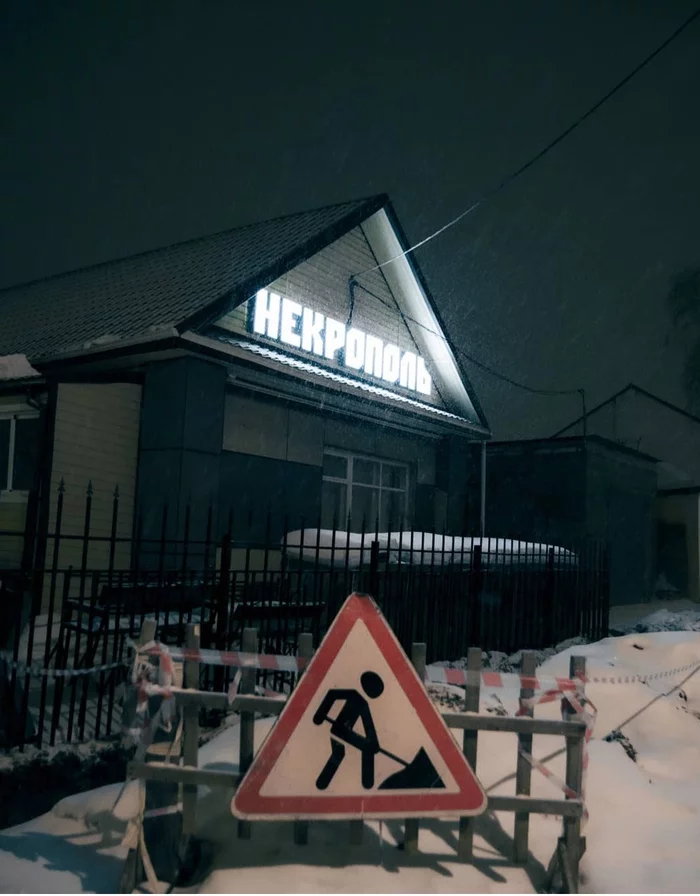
(554, 444)
(180, 286)
(631, 387)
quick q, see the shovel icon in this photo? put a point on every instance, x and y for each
(418, 774)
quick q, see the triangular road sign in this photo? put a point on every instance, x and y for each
(359, 737)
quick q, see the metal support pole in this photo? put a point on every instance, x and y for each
(482, 517)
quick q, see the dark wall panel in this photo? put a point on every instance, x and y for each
(251, 487)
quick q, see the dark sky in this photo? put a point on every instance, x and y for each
(130, 125)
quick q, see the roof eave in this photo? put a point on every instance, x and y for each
(420, 277)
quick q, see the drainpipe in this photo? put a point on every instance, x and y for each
(482, 525)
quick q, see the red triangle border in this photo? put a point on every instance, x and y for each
(469, 800)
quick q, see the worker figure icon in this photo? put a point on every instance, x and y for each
(355, 708)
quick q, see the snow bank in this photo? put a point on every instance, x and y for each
(668, 621)
(330, 548)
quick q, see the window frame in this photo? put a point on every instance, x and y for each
(13, 414)
(349, 482)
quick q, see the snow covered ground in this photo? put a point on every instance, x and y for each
(642, 835)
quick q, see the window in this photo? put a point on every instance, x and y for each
(19, 442)
(365, 488)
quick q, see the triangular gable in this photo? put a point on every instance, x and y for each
(379, 330)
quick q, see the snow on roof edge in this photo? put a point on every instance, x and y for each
(16, 367)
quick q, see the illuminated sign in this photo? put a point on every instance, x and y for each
(279, 318)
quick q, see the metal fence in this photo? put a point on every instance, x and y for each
(451, 593)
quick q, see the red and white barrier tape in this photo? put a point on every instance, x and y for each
(236, 658)
(577, 701)
(514, 681)
(36, 671)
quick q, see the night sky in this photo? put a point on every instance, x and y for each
(131, 125)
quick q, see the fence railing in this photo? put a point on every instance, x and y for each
(59, 620)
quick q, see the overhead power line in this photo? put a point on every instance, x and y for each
(523, 168)
(480, 364)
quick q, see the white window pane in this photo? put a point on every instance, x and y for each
(365, 471)
(365, 505)
(393, 476)
(336, 466)
(334, 511)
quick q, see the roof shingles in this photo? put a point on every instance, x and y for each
(132, 297)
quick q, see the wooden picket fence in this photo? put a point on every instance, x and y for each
(163, 778)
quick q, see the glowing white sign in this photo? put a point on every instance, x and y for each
(289, 322)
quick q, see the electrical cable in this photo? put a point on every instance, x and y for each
(523, 168)
(468, 357)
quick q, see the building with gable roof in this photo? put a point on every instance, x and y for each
(273, 366)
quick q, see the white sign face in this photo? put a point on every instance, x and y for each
(338, 766)
(359, 737)
(290, 323)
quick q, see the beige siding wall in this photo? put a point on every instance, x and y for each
(96, 440)
(12, 518)
(321, 283)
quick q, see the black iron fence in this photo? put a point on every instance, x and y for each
(72, 614)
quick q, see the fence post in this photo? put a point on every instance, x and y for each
(475, 597)
(469, 745)
(523, 773)
(418, 653)
(222, 609)
(374, 570)
(574, 780)
(606, 592)
(306, 651)
(549, 632)
(190, 737)
(249, 644)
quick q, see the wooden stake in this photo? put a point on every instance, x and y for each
(523, 774)
(306, 651)
(190, 736)
(249, 644)
(574, 780)
(418, 653)
(132, 873)
(469, 745)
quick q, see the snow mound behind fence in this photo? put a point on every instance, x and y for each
(336, 549)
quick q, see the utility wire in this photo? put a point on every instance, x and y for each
(523, 168)
(501, 376)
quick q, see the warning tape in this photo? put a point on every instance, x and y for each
(165, 810)
(575, 701)
(36, 671)
(281, 663)
(514, 681)
(237, 658)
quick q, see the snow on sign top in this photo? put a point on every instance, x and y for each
(359, 737)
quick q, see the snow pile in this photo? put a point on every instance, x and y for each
(329, 547)
(643, 793)
(497, 661)
(668, 621)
